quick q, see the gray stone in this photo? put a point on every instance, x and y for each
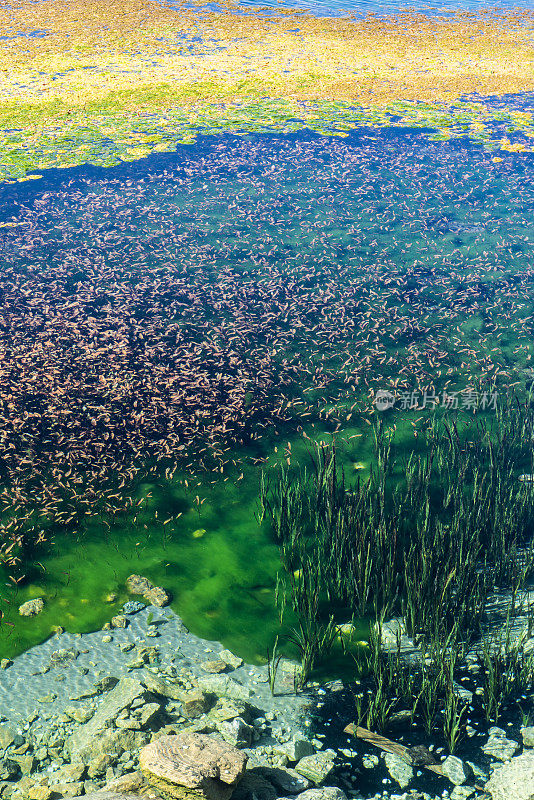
(298, 747)
(88, 738)
(229, 658)
(195, 703)
(237, 732)
(224, 686)
(317, 767)
(7, 736)
(80, 714)
(214, 667)
(63, 656)
(254, 787)
(132, 607)
(288, 781)
(456, 770)
(157, 685)
(323, 793)
(9, 769)
(499, 746)
(528, 736)
(399, 770)
(146, 713)
(515, 779)
(31, 607)
(119, 621)
(462, 793)
(227, 708)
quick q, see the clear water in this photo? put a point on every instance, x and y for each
(433, 238)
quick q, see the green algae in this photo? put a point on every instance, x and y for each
(102, 134)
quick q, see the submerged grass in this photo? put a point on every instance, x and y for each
(429, 538)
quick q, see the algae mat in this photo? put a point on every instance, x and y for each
(102, 83)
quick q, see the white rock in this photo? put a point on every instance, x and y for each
(514, 780)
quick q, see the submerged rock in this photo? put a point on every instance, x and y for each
(192, 766)
(513, 780)
(133, 606)
(528, 736)
(155, 595)
(98, 735)
(31, 607)
(230, 659)
(317, 767)
(499, 746)
(287, 781)
(399, 770)
(456, 770)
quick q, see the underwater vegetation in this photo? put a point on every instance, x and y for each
(430, 537)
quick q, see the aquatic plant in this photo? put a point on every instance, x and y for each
(273, 662)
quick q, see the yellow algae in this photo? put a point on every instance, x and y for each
(198, 533)
(82, 91)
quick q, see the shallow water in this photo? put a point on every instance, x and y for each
(426, 247)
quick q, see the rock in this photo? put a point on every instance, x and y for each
(214, 666)
(31, 607)
(399, 770)
(323, 793)
(130, 782)
(99, 764)
(195, 703)
(5, 663)
(316, 767)
(229, 658)
(147, 713)
(157, 685)
(254, 787)
(72, 772)
(237, 732)
(514, 779)
(132, 607)
(224, 686)
(298, 747)
(528, 736)
(227, 708)
(40, 792)
(63, 656)
(119, 621)
(462, 793)
(25, 762)
(97, 734)
(192, 766)
(456, 770)
(9, 769)
(499, 746)
(157, 596)
(287, 781)
(79, 714)
(7, 736)
(106, 683)
(112, 795)
(69, 789)
(138, 584)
